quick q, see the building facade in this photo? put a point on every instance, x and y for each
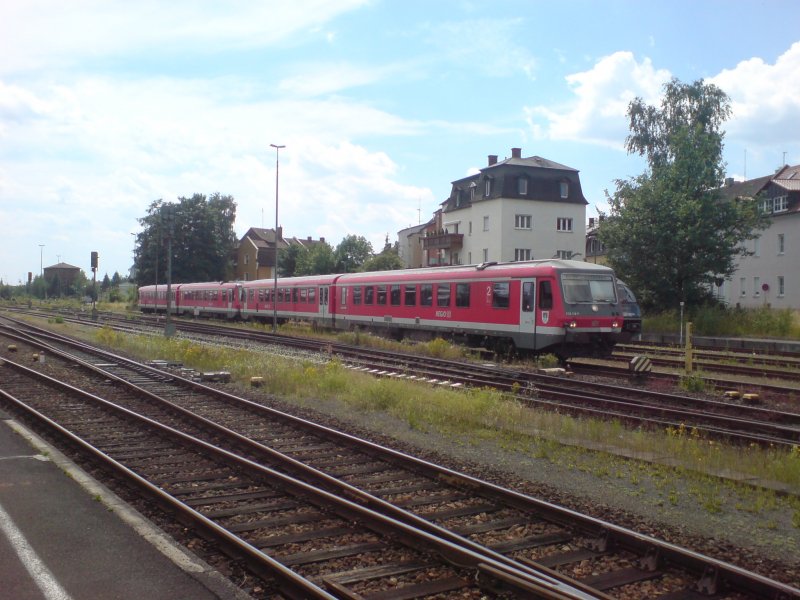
(771, 275)
(511, 210)
(254, 256)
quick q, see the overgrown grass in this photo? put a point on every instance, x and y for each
(473, 414)
(736, 322)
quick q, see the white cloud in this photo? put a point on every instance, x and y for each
(765, 99)
(36, 34)
(597, 113)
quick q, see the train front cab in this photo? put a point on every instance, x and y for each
(571, 312)
(593, 316)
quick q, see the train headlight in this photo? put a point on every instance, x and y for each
(614, 325)
(571, 325)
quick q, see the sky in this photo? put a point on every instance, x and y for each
(106, 106)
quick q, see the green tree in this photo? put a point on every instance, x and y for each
(287, 260)
(116, 279)
(317, 260)
(106, 283)
(202, 235)
(669, 233)
(352, 252)
(388, 260)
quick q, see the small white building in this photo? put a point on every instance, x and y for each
(771, 276)
(514, 209)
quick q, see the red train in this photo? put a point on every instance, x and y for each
(569, 308)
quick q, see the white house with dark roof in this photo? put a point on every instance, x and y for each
(514, 209)
(771, 276)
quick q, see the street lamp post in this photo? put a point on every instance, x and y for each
(275, 269)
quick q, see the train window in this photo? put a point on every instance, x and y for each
(369, 294)
(323, 296)
(344, 296)
(261, 296)
(381, 294)
(287, 294)
(312, 296)
(500, 295)
(545, 295)
(581, 287)
(410, 295)
(295, 292)
(280, 295)
(394, 295)
(303, 295)
(527, 296)
(462, 295)
(443, 294)
(356, 295)
(426, 294)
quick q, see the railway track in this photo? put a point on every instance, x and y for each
(712, 418)
(518, 536)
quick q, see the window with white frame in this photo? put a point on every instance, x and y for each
(564, 189)
(486, 223)
(470, 227)
(781, 286)
(522, 186)
(564, 254)
(780, 204)
(522, 254)
(756, 286)
(469, 258)
(523, 222)
(472, 187)
(487, 187)
(564, 224)
(757, 247)
(766, 205)
(485, 255)
(781, 243)
(246, 258)
(743, 285)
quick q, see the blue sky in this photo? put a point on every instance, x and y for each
(106, 106)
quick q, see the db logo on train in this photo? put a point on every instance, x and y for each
(545, 316)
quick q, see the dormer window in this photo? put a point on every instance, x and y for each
(487, 187)
(564, 189)
(458, 198)
(522, 186)
(472, 187)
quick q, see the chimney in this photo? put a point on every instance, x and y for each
(308, 238)
(728, 181)
(322, 239)
(516, 153)
(492, 159)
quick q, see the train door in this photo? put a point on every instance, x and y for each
(527, 306)
(324, 311)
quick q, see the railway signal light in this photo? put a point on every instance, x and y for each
(94, 261)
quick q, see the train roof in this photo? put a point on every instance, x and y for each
(482, 271)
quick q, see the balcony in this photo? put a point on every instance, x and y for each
(443, 241)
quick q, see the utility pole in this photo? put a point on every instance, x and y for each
(275, 268)
(169, 326)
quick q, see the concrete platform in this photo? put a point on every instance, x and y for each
(64, 536)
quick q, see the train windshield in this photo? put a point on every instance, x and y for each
(588, 288)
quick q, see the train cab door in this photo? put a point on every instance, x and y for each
(527, 306)
(324, 311)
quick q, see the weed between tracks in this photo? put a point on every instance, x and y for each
(669, 464)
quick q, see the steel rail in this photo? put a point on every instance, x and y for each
(597, 528)
(524, 582)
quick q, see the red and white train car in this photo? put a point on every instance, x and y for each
(566, 307)
(570, 308)
(211, 299)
